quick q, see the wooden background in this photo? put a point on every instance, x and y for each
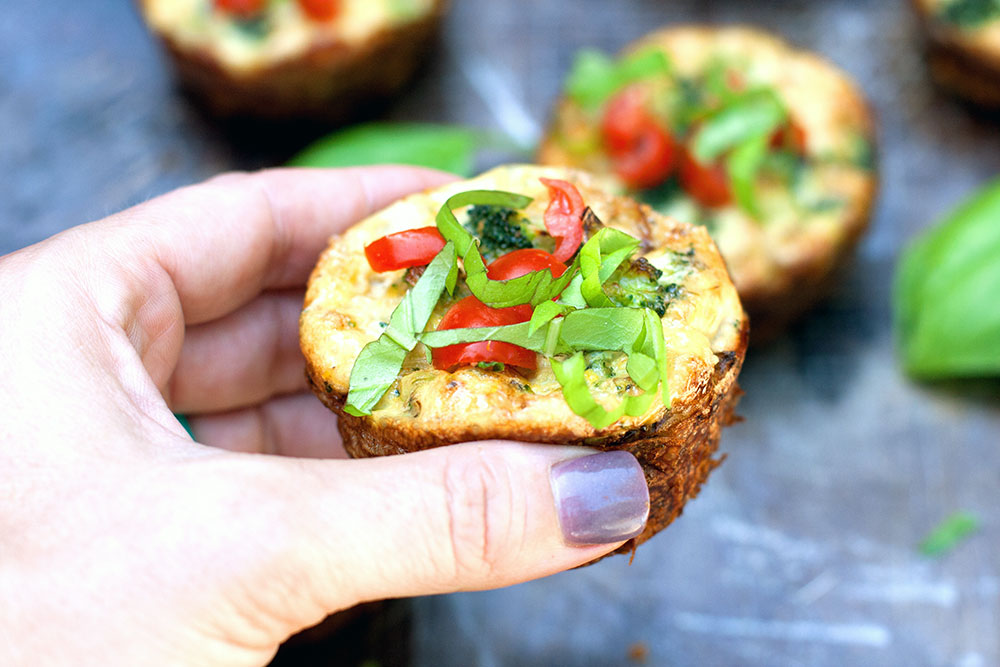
(802, 548)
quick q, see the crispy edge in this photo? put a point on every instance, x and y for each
(676, 450)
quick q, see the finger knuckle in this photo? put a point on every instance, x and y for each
(478, 497)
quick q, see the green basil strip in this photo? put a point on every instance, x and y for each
(591, 329)
(659, 345)
(595, 77)
(533, 288)
(599, 258)
(743, 164)
(573, 294)
(452, 230)
(949, 533)
(755, 113)
(518, 334)
(647, 368)
(380, 361)
(545, 312)
(638, 333)
(595, 329)
(571, 375)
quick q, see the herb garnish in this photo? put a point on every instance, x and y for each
(970, 13)
(945, 297)
(595, 77)
(949, 533)
(582, 320)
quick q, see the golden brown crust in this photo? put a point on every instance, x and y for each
(778, 277)
(332, 81)
(676, 452)
(964, 62)
(675, 444)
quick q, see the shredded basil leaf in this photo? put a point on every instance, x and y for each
(571, 375)
(758, 112)
(584, 318)
(532, 288)
(636, 332)
(949, 533)
(599, 257)
(743, 164)
(380, 361)
(595, 77)
(647, 366)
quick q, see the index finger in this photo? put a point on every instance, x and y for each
(225, 240)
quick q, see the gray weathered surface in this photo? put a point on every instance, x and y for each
(801, 549)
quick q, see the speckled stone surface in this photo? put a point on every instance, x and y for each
(801, 549)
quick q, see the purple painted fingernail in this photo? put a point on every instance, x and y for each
(600, 498)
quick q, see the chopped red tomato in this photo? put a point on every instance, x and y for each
(241, 8)
(791, 136)
(413, 247)
(320, 10)
(641, 149)
(564, 217)
(522, 262)
(471, 312)
(708, 184)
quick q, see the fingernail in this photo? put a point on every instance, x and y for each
(600, 498)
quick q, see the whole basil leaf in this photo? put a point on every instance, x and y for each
(947, 294)
(380, 361)
(757, 112)
(446, 147)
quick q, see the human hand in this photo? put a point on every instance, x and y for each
(125, 541)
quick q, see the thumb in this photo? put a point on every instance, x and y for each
(463, 517)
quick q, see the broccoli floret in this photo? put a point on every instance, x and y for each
(636, 284)
(499, 230)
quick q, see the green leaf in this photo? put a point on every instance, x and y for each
(755, 113)
(445, 147)
(969, 13)
(743, 164)
(518, 334)
(949, 533)
(380, 361)
(946, 296)
(587, 329)
(545, 312)
(595, 77)
(598, 258)
(532, 288)
(571, 375)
